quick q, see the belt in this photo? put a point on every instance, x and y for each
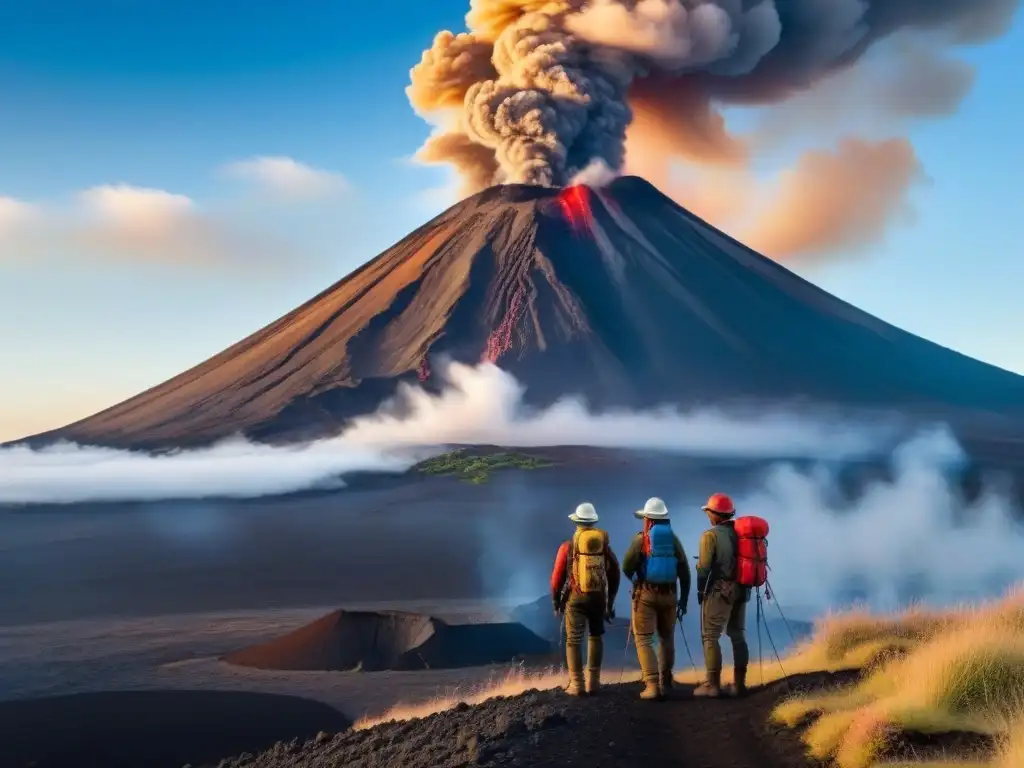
(656, 587)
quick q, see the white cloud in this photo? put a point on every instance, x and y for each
(287, 178)
(153, 225)
(127, 223)
(15, 215)
(136, 206)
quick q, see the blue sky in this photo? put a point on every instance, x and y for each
(166, 96)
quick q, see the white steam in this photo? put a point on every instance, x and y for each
(596, 175)
(482, 405)
(912, 538)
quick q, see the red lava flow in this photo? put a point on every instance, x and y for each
(575, 204)
(500, 340)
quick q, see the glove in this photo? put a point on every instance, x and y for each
(609, 613)
(681, 609)
(700, 598)
(556, 604)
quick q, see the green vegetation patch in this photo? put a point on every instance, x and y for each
(477, 468)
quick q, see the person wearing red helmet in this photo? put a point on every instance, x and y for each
(723, 602)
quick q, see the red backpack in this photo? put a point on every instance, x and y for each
(751, 551)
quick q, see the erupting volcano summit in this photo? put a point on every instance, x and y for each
(619, 295)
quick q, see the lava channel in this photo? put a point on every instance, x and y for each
(500, 339)
(575, 204)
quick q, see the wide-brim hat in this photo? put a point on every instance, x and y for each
(584, 514)
(654, 509)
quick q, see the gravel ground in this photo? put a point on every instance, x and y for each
(548, 728)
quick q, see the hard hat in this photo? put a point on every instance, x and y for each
(585, 513)
(720, 504)
(654, 509)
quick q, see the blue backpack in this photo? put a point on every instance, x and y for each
(661, 566)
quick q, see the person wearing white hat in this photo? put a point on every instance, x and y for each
(655, 562)
(584, 583)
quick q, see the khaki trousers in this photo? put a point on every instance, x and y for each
(654, 613)
(725, 609)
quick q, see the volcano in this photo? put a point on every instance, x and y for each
(619, 295)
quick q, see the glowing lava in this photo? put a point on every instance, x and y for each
(575, 204)
(500, 340)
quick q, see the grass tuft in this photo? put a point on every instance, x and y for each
(925, 672)
(477, 468)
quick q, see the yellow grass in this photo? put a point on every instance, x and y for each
(924, 671)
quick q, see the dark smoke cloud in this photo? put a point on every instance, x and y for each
(908, 78)
(537, 90)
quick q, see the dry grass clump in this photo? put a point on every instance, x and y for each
(1009, 755)
(926, 672)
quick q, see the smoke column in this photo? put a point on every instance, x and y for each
(536, 91)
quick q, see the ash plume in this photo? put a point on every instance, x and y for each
(841, 199)
(538, 90)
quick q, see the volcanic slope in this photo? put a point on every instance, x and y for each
(618, 295)
(547, 728)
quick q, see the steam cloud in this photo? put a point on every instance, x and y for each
(482, 406)
(910, 536)
(538, 90)
(910, 539)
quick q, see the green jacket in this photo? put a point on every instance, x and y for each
(717, 560)
(633, 561)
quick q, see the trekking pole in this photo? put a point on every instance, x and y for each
(686, 643)
(769, 592)
(760, 654)
(625, 653)
(774, 648)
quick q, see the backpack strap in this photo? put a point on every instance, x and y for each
(571, 563)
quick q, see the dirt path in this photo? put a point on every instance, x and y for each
(545, 729)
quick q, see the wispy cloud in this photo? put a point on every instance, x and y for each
(126, 223)
(288, 179)
(15, 215)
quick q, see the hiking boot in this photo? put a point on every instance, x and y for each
(710, 688)
(739, 688)
(575, 688)
(707, 691)
(667, 683)
(651, 691)
(741, 658)
(593, 680)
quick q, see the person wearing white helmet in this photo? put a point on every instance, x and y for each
(655, 562)
(584, 583)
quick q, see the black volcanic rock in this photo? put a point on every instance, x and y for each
(646, 305)
(391, 640)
